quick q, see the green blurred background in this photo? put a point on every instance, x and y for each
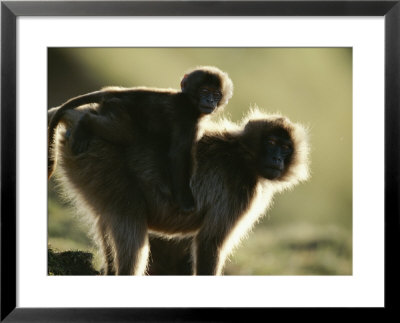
(308, 231)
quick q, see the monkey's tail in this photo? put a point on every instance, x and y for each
(93, 97)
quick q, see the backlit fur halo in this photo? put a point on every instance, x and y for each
(299, 170)
(299, 134)
(226, 86)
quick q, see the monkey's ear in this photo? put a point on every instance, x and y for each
(183, 82)
(250, 139)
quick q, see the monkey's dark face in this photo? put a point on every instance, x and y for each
(208, 98)
(276, 153)
(205, 88)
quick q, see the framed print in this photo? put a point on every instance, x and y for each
(332, 66)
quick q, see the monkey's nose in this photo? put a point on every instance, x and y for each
(277, 159)
(212, 103)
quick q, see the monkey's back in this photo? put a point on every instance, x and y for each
(152, 111)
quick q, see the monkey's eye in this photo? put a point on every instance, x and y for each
(286, 150)
(271, 142)
(204, 91)
(217, 95)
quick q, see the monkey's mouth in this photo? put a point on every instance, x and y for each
(272, 172)
(206, 109)
(274, 166)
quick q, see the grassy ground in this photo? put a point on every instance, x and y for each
(294, 249)
(273, 248)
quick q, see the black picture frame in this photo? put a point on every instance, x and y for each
(10, 10)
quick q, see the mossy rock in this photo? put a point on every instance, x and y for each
(70, 263)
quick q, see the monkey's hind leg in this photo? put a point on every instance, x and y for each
(130, 239)
(170, 257)
(81, 135)
(113, 128)
(107, 248)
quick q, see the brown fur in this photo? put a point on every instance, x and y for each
(166, 120)
(170, 256)
(118, 187)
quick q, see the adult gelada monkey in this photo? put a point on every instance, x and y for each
(166, 120)
(238, 170)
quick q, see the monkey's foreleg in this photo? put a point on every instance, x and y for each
(207, 255)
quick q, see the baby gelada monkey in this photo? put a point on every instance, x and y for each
(164, 119)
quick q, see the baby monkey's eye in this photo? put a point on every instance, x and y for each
(204, 90)
(217, 94)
